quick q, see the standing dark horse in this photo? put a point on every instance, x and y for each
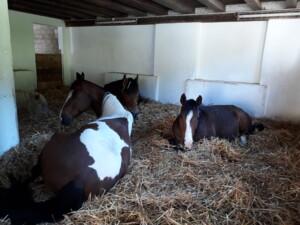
(127, 91)
(196, 122)
(73, 165)
(84, 95)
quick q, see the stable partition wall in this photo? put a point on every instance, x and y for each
(9, 135)
(125, 49)
(254, 65)
(23, 49)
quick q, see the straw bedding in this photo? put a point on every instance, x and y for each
(217, 182)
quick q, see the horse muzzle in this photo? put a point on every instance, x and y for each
(134, 114)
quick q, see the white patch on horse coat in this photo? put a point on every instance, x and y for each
(188, 136)
(243, 140)
(67, 99)
(112, 108)
(128, 85)
(105, 146)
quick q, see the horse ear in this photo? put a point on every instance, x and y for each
(79, 76)
(183, 99)
(125, 81)
(124, 77)
(137, 78)
(199, 100)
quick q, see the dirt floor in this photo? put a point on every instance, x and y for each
(217, 182)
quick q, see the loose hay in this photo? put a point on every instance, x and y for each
(218, 182)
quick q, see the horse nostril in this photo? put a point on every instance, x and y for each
(134, 114)
(66, 121)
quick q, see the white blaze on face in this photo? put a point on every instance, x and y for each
(188, 136)
(105, 147)
(67, 99)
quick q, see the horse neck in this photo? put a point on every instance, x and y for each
(116, 110)
(97, 98)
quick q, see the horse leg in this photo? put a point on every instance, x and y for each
(36, 170)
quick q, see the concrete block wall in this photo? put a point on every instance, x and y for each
(46, 39)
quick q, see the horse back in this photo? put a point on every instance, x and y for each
(68, 157)
(224, 121)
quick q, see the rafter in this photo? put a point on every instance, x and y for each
(214, 4)
(37, 6)
(291, 3)
(146, 5)
(117, 7)
(39, 12)
(176, 5)
(254, 4)
(95, 9)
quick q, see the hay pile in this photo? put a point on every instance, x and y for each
(216, 183)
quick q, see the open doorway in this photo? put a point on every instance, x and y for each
(48, 49)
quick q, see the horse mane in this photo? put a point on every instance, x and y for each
(78, 82)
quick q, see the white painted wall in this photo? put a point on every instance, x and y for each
(175, 60)
(22, 39)
(250, 97)
(9, 135)
(259, 59)
(281, 69)
(231, 51)
(125, 49)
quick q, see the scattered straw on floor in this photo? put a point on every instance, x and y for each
(218, 182)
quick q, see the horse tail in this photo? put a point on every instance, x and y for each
(17, 202)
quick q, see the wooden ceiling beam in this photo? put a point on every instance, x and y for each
(95, 9)
(220, 17)
(45, 8)
(291, 3)
(146, 5)
(54, 5)
(214, 4)
(254, 4)
(117, 7)
(22, 8)
(176, 5)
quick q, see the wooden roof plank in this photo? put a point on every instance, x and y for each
(118, 7)
(214, 4)
(291, 3)
(177, 5)
(95, 9)
(146, 5)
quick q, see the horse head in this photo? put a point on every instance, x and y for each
(83, 95)
(127, 91)
(185, 124)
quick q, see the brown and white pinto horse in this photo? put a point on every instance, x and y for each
(84, 95)
(196, 122)
(88, 161)
(127, 91)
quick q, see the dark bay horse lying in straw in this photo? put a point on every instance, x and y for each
(196, 122)
(127, 91)
(84, 95)
(73, 165)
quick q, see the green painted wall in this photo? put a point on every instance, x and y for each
(22, 40)
(9, 135)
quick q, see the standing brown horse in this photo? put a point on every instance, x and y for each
(127, 91)
(196, 122)
(84, 95)
(74, 165)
